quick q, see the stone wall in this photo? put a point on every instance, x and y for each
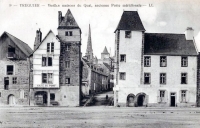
(21, 71)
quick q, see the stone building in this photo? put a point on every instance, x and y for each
(14, 67)
(153, 69)
(56, 64)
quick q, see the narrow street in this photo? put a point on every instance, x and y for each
(103, 99)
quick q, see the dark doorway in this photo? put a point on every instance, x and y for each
(45, 99)
(41, 98)
(140, 100)
(6, 83)
(173, 99)
(130, 100)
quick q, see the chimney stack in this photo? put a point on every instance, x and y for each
(189, 33)
(59, 17)
(38, 38)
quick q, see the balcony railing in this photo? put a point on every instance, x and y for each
(11, 55)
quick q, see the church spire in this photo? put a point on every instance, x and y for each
(89, 50)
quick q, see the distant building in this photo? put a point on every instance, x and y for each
(153, 69)
(14, 70)
(94, 75)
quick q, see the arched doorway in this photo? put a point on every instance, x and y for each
(141, 99)
(41, 98)
(130, 100)
(11, 99)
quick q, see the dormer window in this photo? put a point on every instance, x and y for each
(50, 47)
(68, 33)
(127, 34)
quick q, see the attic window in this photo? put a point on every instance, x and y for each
(68, 33)
(127, 34)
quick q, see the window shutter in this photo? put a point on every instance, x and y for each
(187, 96)
(158, 96)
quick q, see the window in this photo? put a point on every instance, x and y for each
(47, 78)
(183, 78)
(183, 96)
(67, 80)
(10, 69)
(162, 78)
(50, 47)
(0, 94)
(127, 34)
(67, 64)
(122, 75)
(14, 80)
(11, 52)
(162, 96)
(147, 61)
(52, 96)
(68, 33)
(122, 58)
(46, 61)
(184, 61)
(147, 78)
(163, 61)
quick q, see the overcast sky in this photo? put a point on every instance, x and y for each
(166, 16)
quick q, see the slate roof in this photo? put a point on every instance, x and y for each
(107, 65)
(86, 61)
(105, 50)
(168, 44)
(130, 20)
(23, 46)
(68, 21)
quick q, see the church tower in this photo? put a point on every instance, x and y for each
(105, 54)
(89, 50)
(69, 35)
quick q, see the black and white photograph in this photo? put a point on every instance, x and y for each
(100, 63)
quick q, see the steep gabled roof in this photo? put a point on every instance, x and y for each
(23, 46)
(130, 20)
(168, 44)
(105, 51)
(50, 31)
(68, 21)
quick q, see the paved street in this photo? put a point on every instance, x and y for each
(99, 117)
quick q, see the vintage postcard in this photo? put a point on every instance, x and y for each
(102, 63)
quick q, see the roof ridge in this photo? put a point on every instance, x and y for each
(166, 33)
(16, 38)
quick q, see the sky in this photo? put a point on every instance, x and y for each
(166, 16)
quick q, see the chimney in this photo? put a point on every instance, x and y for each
(59, 17)
(189, 33)
(38, 38)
